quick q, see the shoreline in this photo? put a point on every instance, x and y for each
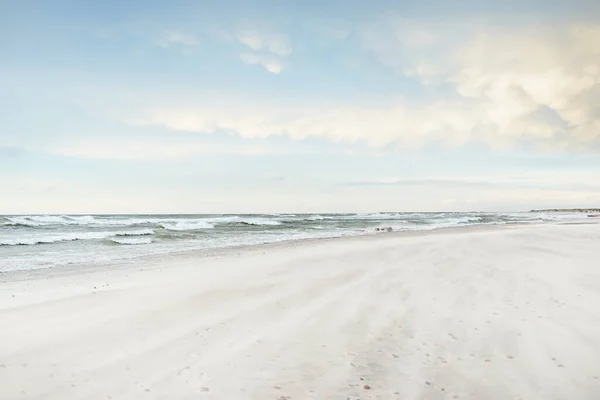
(224, 251)
(67, 241)
(207, 253)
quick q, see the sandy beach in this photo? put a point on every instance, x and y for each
(473, 313)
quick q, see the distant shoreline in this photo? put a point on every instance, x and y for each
(578, 210)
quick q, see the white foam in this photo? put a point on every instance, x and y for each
(89, 220)
(137, 232)
(38, 220)
(82, 219)
(260, 221)
(243, 220)
(187, 225)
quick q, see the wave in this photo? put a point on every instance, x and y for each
(130, 240)
(170, 223)
(69, 237)
(377, 216)
(81, 219)
(36, 221)
(461, 220)
(259, 222)
(235, 219)
(140, 232)
(317, 217)
(186, 225)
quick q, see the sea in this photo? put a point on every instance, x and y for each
(30, 242)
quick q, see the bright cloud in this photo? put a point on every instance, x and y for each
(267, 50)
(536, 83)
(270, 64)
(273, 43)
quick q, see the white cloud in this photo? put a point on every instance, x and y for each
(271, 65)
(170, 38)
(540, 84)
(152, 149)
(273, 43)
(264, 49)
(253, 42)
(412, 126)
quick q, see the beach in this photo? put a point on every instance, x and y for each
(498, 312)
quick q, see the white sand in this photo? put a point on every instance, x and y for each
(472, 314)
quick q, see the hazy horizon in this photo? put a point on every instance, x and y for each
(283, 213)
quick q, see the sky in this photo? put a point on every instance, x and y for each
(298, 106)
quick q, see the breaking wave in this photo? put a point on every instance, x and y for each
(31, 240)
(186, 226)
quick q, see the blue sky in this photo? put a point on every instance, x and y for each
(270, 106)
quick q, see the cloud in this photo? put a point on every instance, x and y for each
(532, 86)
(170, 38)
(153, 149)
(273, 43)
(271, 65)
(572, 182)
(376, 126)
(535, 83)
(264, 49)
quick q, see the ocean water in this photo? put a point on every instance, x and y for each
(51, 241)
